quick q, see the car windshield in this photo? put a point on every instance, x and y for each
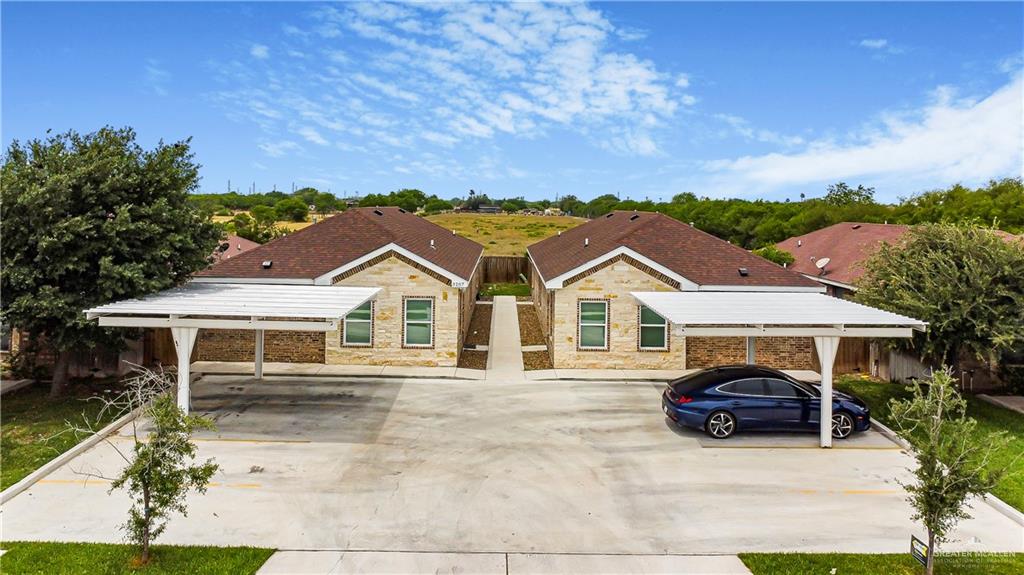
(814, 390)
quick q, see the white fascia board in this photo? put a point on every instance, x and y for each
(457, 282)
(812, 289)
(247, 324)
(529, 256)
(225, 280)
(782, 331)
(830, 282)
(559, 281)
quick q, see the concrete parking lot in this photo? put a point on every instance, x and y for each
(553, 467)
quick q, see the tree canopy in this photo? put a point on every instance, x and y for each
(965, 281)
(89, 219)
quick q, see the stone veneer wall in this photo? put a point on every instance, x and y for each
(467, 303)
(543, 300)
(612, 283)
(398, 279)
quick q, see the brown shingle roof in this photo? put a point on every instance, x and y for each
(846, 244)
(336, 241)
(698, 256)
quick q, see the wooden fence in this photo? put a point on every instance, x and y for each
(504, 269)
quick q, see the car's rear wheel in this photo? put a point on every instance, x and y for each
(720, 425)
(842, 425)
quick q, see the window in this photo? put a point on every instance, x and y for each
(779, 388)
(358, 329)
(593, 325)
(653, 330)
(419, 322)
(748, 387)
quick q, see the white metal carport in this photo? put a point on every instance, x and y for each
(767, 314)
(258, 307)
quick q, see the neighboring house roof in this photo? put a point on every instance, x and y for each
(236, 245)
(333, 243)
(846, 244)
(675, 246)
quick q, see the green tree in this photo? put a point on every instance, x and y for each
(326, 203)
(264, 215)
(436, 205)
(953, 462)
(259, 231)
(774, 254)
(965, 281)
(292, 209)
(840, 194)
(89, 219)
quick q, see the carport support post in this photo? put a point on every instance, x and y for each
(750, 350)
(258, 370)
(184, 341)
(827, 347)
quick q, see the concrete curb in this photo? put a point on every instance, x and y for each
(994, 400)
(267, 375)
(995, 502)
(65, 457)
(9, 385)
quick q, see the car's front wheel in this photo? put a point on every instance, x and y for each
(720, 425)
(842, 425)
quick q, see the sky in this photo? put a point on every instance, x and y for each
(643, 100)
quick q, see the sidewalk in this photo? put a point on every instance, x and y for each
(505, 352)
(343, 562)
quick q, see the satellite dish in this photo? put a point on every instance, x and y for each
(821, 263)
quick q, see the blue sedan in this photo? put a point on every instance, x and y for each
(723, 400)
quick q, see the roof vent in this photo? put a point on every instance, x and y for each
(634, 217)
(799, 243)
(586, 242)
(744, 272)
(691, 224)
(559, 232)
(432, 244)
(856, 226)
(609, 215)
(378, 212)
(267, 264)
(402, 210)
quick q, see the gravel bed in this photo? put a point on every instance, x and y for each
(530, 332)
(473, 359)
(480, 326)
(536, 360)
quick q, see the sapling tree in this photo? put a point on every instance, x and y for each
(954, 462)
(160, 468)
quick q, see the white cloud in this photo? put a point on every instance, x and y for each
(279, 148)
(874, 43)
(259, 51)
(156, 77)
(683, 81)
(311, 135)
(948, 140)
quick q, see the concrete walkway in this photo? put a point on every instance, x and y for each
(505, 352)
(343, 562)
(1011, 402)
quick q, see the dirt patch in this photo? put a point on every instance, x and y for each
(480, 326)
(530, 332)
(537, 360)
(472, 359)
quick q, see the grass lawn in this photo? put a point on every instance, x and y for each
(30, 423)
(101, 558)
(505, 234)
(505, 289)
(990, 418)
(880, 564)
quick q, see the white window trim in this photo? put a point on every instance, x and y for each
(406, 322)
(580, 324)
(344, 329)
(642, 325)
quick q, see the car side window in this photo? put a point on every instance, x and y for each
(754, 386)
(779, 388)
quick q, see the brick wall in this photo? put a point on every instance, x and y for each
(278, 346)
(612, 283)
(777, 352)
